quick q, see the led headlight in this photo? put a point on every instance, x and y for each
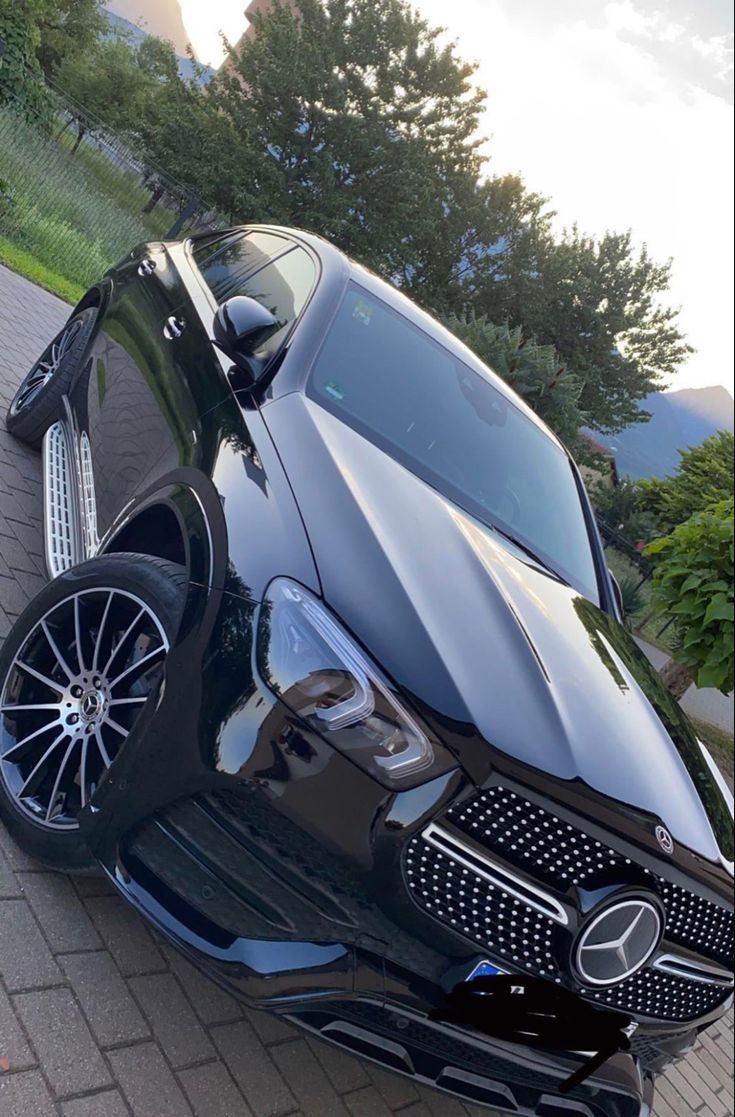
(318, 671)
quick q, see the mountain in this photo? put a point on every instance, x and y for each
(137, 33)
(678, 419)
(156, 17)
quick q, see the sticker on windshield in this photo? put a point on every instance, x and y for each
(334, 391)
(363, 312)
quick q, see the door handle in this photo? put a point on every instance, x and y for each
(147, 266)
(173, 328)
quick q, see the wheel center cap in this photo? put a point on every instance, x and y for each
(91, 704)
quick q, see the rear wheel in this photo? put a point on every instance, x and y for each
(76, 673)
(37, 402)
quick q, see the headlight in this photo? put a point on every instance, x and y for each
(318, 671)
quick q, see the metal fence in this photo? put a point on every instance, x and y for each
(77, 197)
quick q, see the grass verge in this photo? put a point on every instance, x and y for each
(76, 213)
(22, 262)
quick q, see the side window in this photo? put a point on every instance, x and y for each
(284, 288)
(225, 261)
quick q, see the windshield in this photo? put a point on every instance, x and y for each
(444, 421)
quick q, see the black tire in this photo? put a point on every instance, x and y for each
(33, 410)
(129, 581)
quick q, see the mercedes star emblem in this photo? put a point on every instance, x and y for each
(664, 839)
(618, 941)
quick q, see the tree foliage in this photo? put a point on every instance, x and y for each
(534, 371)
(693, 581)
(619, 505)
(67, 29)
(704, 477)
(20, 72)
(598, 302)
(354, 121)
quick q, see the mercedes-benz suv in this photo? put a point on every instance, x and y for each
(330, 679)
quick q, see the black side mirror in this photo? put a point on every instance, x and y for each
(241, 325)
(618, 592)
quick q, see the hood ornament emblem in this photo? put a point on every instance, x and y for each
(664, 839)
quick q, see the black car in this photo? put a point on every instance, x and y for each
(330, 679)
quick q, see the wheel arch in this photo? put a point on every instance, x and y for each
(178, 522)
(96, 297)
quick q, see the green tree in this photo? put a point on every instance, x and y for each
(619, 505)
(599, 303)
(21, 80)
(354, 121)
(534, 371)
(67, 28)
(114, 83)
(693, 581)
(704, 477)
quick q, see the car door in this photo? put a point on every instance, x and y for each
(130, 406)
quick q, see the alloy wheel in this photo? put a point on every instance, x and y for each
(47, 365)
(73, 693)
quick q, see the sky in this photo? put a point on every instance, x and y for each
(620, 113)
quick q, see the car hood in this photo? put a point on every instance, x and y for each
(482, 638)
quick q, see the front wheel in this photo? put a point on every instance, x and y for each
(37, 402)
(76, 672)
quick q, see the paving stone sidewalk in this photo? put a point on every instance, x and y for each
(98, 1017)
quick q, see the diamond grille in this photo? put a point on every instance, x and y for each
(556, 853)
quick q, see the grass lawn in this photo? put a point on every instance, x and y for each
(27, 265)
(75, 215)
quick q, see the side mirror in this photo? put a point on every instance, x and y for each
(618, 593)
(240, 326)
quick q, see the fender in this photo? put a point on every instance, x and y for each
(194, 502)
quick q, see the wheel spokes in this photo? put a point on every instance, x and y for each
(39, 766)
(38, 675)
(53, 769)
(48, 364)
(100, 631)
(57, 783)
(121, 641)
(60, 659)
(30, 737)
(139, 663)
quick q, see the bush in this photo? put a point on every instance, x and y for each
(694, 581)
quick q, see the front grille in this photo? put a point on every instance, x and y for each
(537, 841)
(663, 996)
(560, 855)
(480, 910)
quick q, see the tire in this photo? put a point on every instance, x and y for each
(49, 769)
(37, 402)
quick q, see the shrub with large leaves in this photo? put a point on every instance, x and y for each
(693, 581)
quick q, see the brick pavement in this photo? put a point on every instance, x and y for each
(98, 1017)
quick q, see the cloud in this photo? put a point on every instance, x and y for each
(594, 110)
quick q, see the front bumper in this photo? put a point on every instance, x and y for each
(277, 866)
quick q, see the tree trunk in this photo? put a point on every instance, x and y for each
(677, 677)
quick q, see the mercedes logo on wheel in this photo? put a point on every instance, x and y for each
(618, 941)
